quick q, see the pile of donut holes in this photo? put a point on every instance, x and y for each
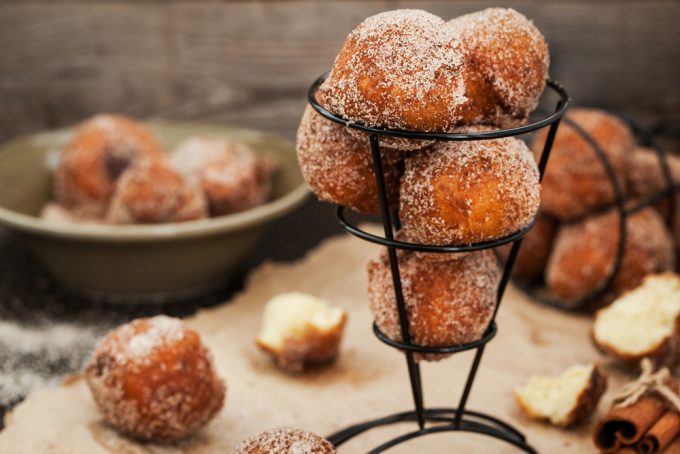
(572, 248)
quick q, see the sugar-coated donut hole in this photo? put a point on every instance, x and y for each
(584, 255)
(398, 69)
(575, 181)
(448, 302)
(153, 379)
(285, 440)
(234, 185)
(467, 192)
(230, 173)
(645, 178)
(338, 166)
(93, 159)
(507, 66)
(151, 192)
(535, 249)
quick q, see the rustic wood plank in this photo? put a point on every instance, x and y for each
(249, 63)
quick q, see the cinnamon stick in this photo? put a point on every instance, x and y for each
(661, 434)
(626, 425)
(674, 447)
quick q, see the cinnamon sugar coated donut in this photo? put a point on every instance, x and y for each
(575, 181)
(93, 159)
(535, 249)
(510, 57)
(285, 440)
(152, 192)
(584, 252)
(470, 191)
(153, 379)
(646, 178)
(398, 69)
(230, 173)
(338, 166)
(447, 302)
(193, 154)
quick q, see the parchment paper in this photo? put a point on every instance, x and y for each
(368, 381)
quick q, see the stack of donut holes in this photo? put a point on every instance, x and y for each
(113, 170)
(411, 70)
(572, 248)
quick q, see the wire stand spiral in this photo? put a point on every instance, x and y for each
(436, 420)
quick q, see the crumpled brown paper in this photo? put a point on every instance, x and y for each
(369, 380)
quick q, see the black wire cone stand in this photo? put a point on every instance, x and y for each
(624, 208)
(437, 420)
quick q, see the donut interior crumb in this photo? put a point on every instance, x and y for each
(554, 398)
(640, 320)
(290, 315)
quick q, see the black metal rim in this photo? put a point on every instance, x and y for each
(443, 420)
(482, 135)
(489, 334)
(416, 247)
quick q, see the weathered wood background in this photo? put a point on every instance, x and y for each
(249, 62)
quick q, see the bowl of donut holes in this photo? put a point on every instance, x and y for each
(128, 211)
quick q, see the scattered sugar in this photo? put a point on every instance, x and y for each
(36, 357)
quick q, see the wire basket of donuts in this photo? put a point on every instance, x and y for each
(417, 122)
(607, 216)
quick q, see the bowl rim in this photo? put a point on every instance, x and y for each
(157, 232)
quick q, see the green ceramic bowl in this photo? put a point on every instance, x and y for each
(140, 262)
